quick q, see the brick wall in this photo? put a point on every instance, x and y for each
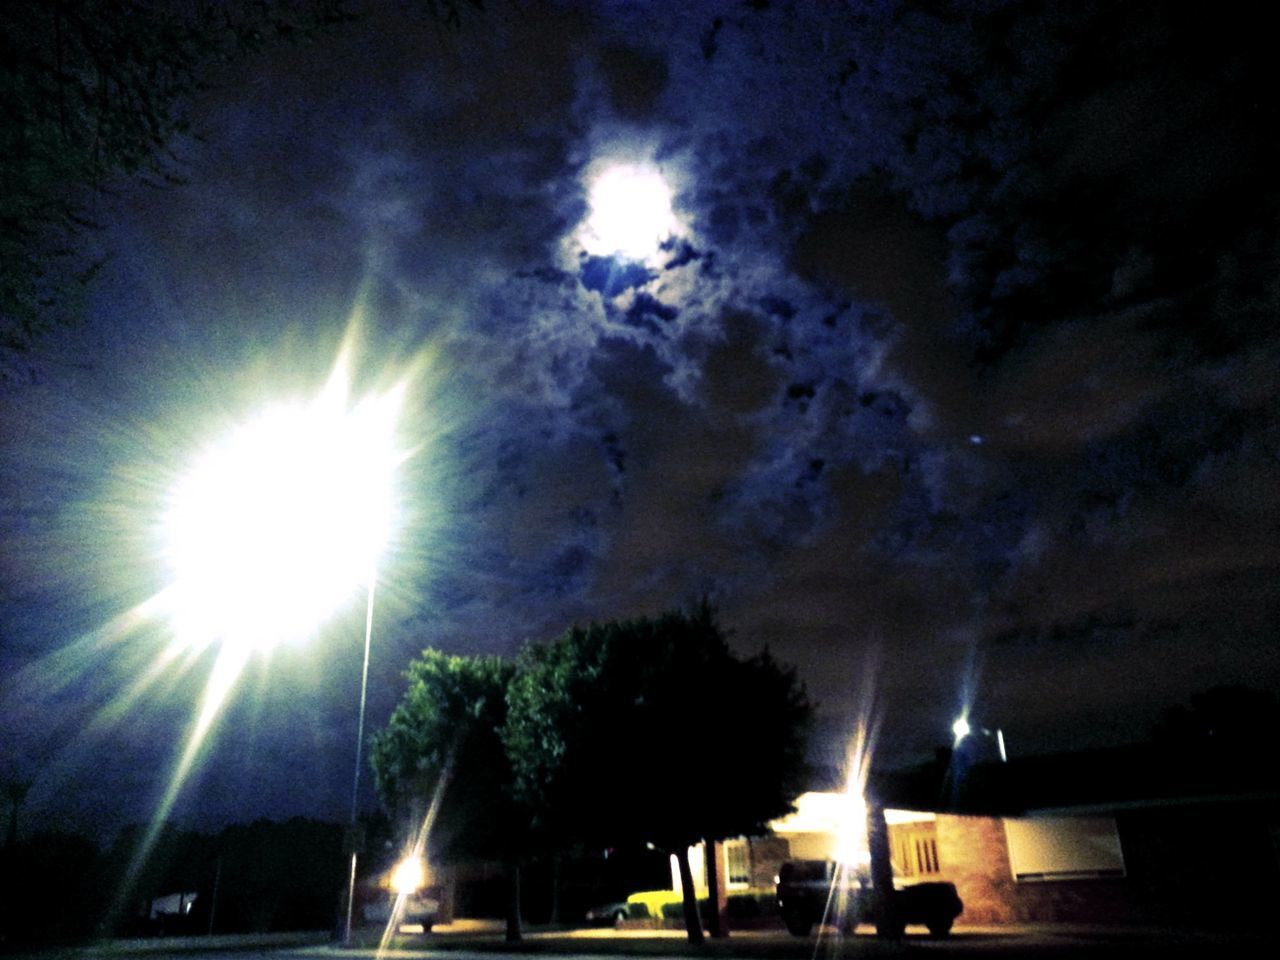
(767, 857)
(1075, 901)
(973, 854)
(1203, 865)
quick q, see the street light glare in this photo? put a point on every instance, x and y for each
(273, 528)
(961, 729)
(268, 533)
(408, 876)
(630, 213)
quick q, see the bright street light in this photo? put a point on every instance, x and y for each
(962, 728)
(271, 532)
(274, 527)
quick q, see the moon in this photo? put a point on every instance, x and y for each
(631, 213)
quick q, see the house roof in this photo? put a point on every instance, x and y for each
(1097, 779)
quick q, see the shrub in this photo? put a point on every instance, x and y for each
(749, 904)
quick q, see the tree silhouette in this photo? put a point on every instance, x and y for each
(15, 791)
(442, 750)
(654, 731)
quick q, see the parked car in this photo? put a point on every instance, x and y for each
(611, 914)
(811, 891)
(420, 907)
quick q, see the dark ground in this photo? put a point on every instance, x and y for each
(485, 941)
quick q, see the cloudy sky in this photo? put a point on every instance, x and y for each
(955, 383)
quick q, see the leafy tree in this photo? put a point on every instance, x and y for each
(442, 749)
(653, 730)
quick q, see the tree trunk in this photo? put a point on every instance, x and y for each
(887, 922)
(717, 922)
(692, 922)
(515, 931)
(555, 890)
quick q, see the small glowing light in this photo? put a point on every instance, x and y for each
(961, 729)
(408, 876)
(630, 213)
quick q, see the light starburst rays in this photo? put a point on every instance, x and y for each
(416, 855)
(274, 526)
(268, 534)
(160, 669)
(54, 674)
(179, 634)
(226, 669)
(852, 852)
(58, 675)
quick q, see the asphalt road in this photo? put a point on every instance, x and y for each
(1006, 942)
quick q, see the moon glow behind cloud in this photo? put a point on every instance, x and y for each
(630, 213)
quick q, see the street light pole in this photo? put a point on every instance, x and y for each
(268, 533)
(355, 779)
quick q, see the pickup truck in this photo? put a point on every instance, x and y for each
(813, 891)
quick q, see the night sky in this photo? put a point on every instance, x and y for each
(956, 385)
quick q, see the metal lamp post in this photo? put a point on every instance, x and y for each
(355, 778)
(270, 530)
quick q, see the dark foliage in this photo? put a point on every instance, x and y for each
(50, 890)
(272, 877)
(440, 760)
(59, 888)
(591, 710)
(654, 731)
(443, 741)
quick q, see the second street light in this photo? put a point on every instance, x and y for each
(962, 728)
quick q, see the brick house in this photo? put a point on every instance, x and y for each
(1132, 836)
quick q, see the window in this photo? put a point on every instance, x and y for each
(913, 849)
(737, 864)
(1063, 848)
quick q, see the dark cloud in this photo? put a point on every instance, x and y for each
(634, 78)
